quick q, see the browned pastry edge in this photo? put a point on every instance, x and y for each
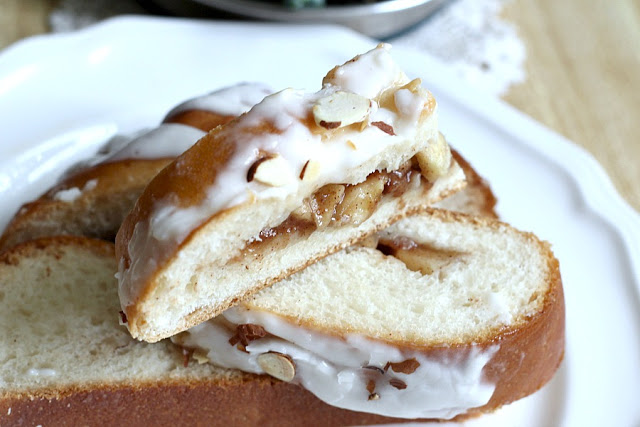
(50, 243)
(96, 213)
(200, 119)
(100, 211)
(475, 183)
(247, 400)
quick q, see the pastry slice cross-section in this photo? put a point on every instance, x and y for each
(446, 317)
(299, 176)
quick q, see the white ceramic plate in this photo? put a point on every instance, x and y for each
(62, 96)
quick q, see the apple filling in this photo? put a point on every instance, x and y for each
(335, 205)
(417, 257)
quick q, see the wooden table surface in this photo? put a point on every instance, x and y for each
(583, 73)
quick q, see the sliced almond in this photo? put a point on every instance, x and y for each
(340, 109)
(434, 161)
(277, 365)
(271, 170)
(399, 384)
(408, 366)
(310, 171)
(201, 356)
(371, 386)
(384, 127)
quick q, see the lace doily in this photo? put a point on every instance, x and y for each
(468, 35)
(471, 37)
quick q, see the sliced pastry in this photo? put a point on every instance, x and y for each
(445, 316)
(299, 176)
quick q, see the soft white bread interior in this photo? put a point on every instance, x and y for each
(65, 360)
(479, 278)
(454, 291)
(297, 177)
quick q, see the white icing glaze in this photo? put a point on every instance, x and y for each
(333, 368)
(369, 75)
(71, 194)
(67, 195)
(173, 139)
(229, 101)
(408, 103)
(167, 140)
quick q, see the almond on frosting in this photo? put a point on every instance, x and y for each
(277, 365)
(310, 170)
(272, 170)
(340, 109)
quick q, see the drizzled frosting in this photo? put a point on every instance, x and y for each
(167, 140)
(173, 139)
(229, 101)
(338, 370)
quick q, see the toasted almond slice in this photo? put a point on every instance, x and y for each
(340, 109)
(272, 170)
(310, 171)
(201, 356)
(277, 365)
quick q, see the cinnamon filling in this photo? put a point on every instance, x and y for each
(333, 205)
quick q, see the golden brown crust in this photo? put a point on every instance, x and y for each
(55, 244)
(97, 212)
(200, 119)
(476, 186)
(527, 358)
(249, 400)
(530, 355)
